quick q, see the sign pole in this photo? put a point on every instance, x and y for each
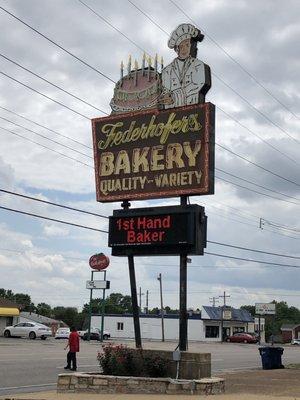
(183, 294)
(135, 308)
(259, 329)
(102, 310)
(90, 308)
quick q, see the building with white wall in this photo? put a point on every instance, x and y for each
(204, 326)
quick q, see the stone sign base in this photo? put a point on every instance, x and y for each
(97, 383)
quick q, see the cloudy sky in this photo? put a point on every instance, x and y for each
(252, 51)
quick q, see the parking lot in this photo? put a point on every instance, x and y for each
(31, 365)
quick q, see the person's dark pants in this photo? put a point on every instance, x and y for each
(71, 358)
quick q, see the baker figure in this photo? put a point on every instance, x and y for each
(186, 80)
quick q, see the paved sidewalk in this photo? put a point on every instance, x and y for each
(245, 385)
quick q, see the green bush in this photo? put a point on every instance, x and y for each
(120, 360)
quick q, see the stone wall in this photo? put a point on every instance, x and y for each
(97, 383)
(191, 365)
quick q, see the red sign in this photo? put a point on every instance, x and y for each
(99, 261)
(154, 154)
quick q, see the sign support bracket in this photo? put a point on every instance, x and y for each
(135, 308)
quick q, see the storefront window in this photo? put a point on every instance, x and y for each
(211, 331)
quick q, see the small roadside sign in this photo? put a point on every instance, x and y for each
(97, 284)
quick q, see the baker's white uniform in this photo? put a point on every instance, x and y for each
(183, 79)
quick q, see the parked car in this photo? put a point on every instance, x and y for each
(31, 330)
(242, 338)
(296, 342)
(95, 334)
(62, 333)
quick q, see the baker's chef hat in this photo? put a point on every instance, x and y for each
(182, 32)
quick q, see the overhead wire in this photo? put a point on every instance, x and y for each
(255, 191)
(256, 184)
(45, 147)
(238, 63)
(57, 44)
(46, 96)
(51, 219)
(52, 84)
(103, 216)
(53, 203)
(230, 116)
(45, 127)
(257, 165)
(45, 137)
(168, 34)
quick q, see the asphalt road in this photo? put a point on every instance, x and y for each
(33, 365)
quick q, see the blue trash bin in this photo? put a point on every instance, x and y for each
(271, 357)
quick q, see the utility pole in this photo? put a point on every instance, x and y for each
(161, 309)
(140, 296)
(224, 296)
(213, 300)
(147, 301)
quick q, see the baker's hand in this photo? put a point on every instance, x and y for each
(166, 99)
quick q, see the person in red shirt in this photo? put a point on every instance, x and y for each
(73, 345)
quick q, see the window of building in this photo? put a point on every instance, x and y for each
(120, 326)
(211, 331)
(238, 329)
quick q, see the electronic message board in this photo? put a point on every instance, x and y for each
(154, 154)
(158, 231)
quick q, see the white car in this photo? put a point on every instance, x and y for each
(62, 333)
(296, 342)
(31, 330)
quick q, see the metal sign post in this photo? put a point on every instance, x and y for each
(90, 308)
(182, 294)
(102, 310)
(135, 307)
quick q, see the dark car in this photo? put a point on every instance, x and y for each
(242, 338)
(95, 334)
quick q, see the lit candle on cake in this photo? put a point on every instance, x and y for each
(122, 69)
(149, 68)
(129, 66)
(143, 64)
(155, 64)
(136, 66)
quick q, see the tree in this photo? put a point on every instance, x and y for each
(44, 309)
(69, 315)
(250, 309)
(115, 303)
(7, 294)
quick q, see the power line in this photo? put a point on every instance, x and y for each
(255, 191)
(52, 203)
(51, 219)
(230, 116)
(45, 137)
(45, 147)
(253, 250)
(148, 17)
(112, 26)
(44, 95)
(254, 261)
(257, 165)
(45, 127)
(256, 184)
(99, 230)
(236, 62)
(259, 137)
(280, 226)
(52, 84)
(57, 45)
(257, 110)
